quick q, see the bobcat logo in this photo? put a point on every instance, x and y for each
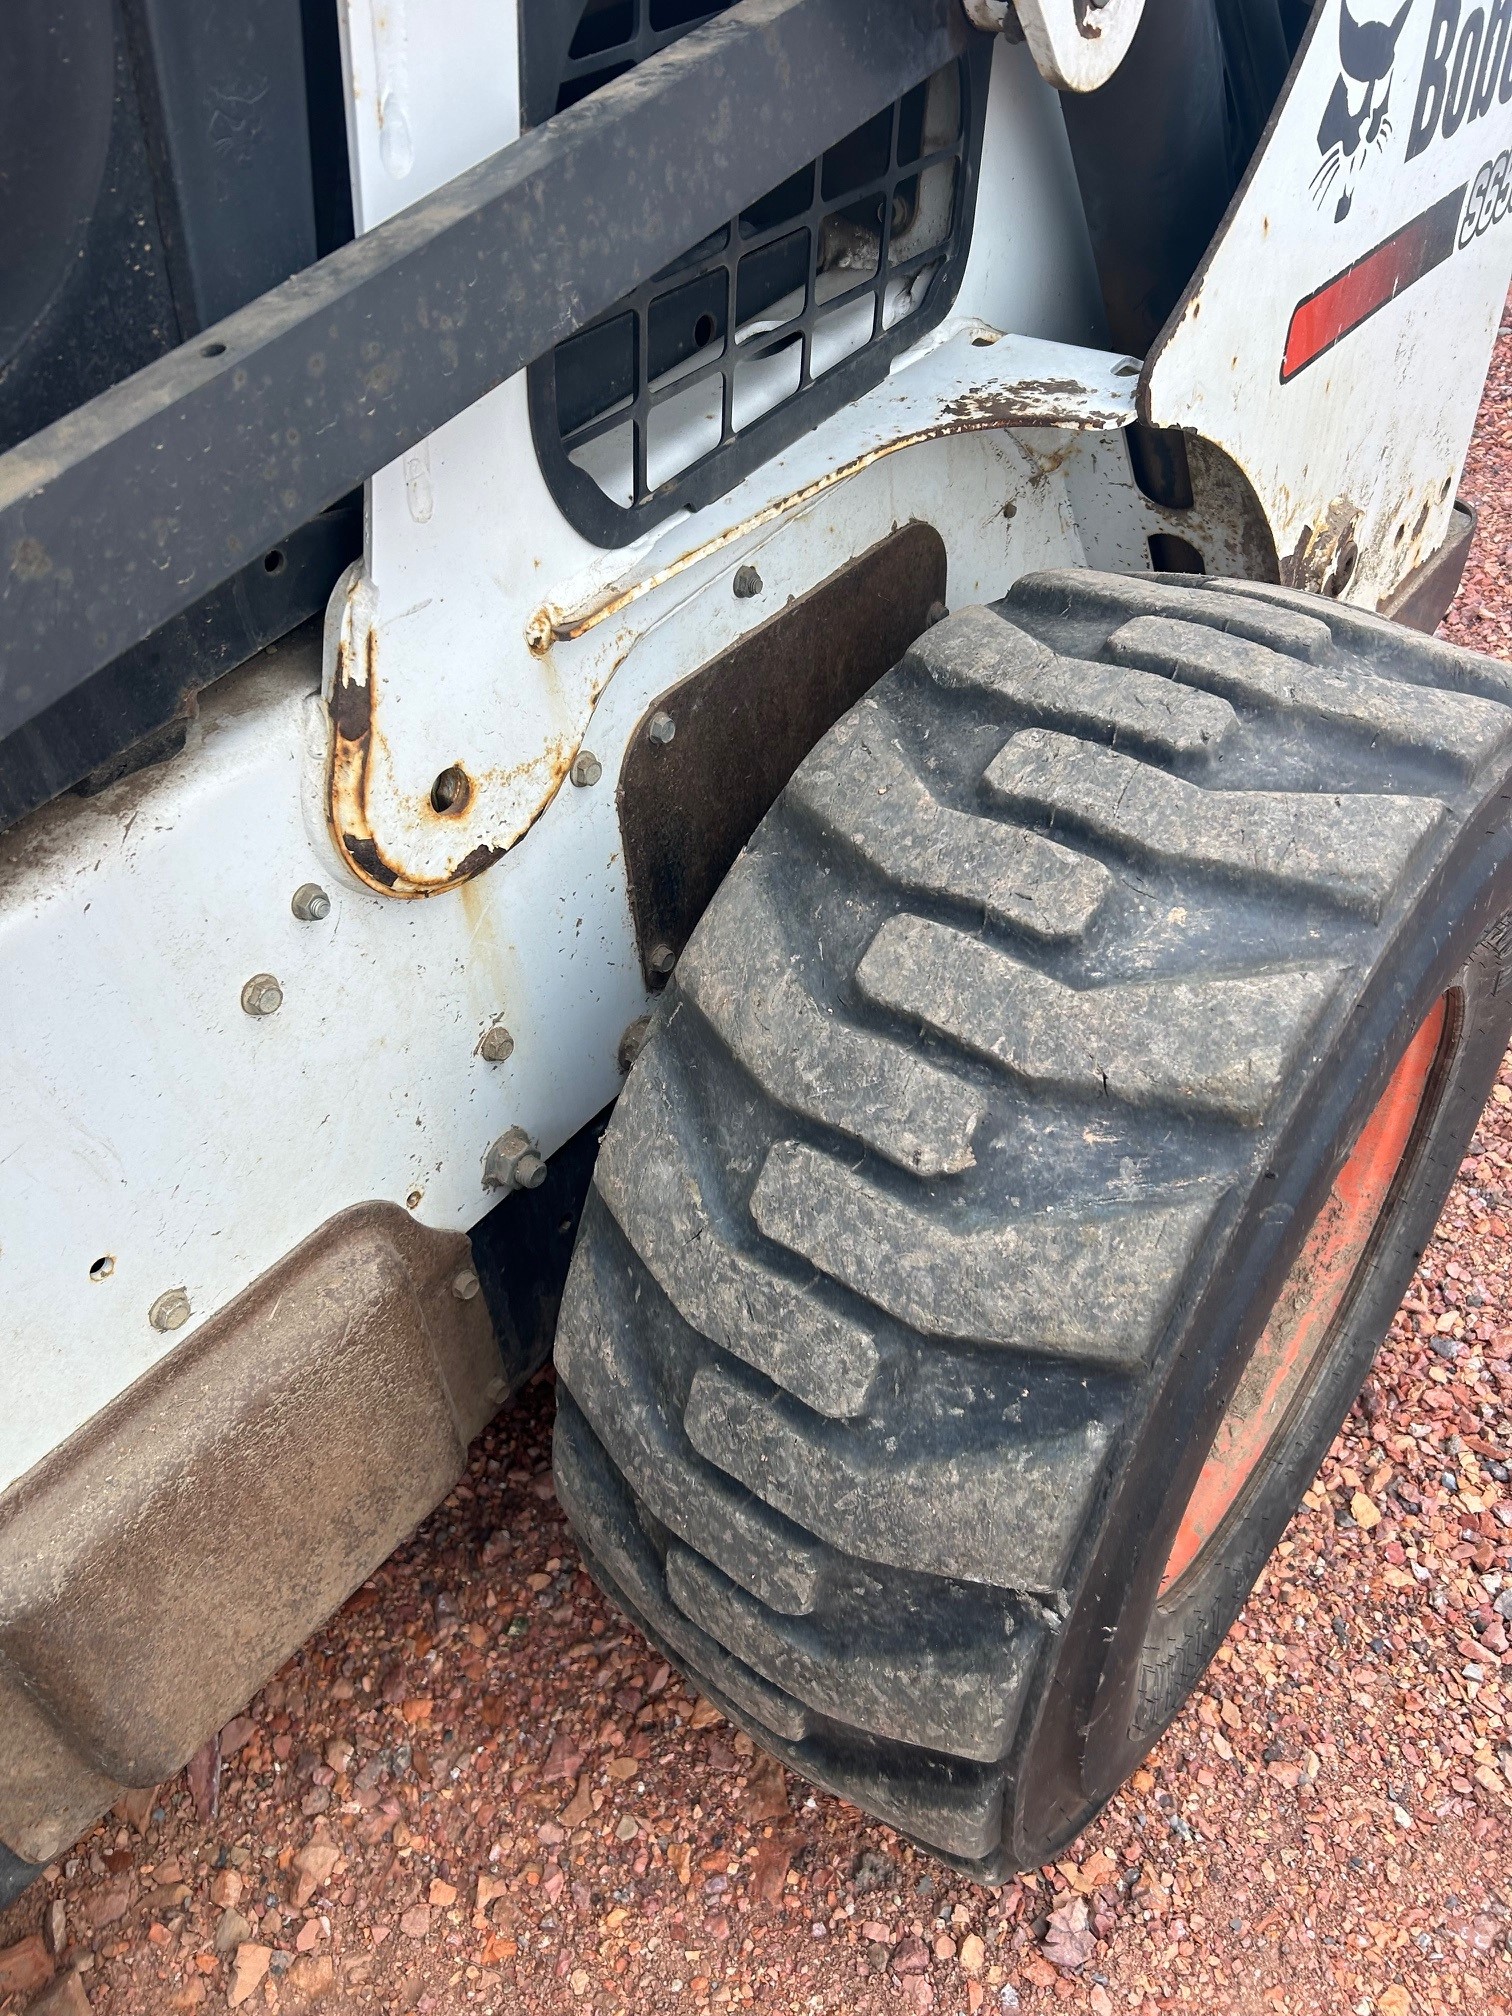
(1357, 119)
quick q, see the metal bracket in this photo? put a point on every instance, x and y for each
(1076, 44)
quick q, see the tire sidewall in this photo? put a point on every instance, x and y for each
(1091, 1730)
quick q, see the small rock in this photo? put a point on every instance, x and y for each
(24, 1967)
(308, 1937)
(1068, 1942)
(768, 1870)
(231, 1932)
(247, 1970)
(766, 1793)
(442, 1894)
(873, 1871)
(490, 1888)
(135, 1806)
(415, 1923)
(55, 1927)
(973, 1953)
(63, 1997)
(203, 1772)
(910, 1956)
(944, 1947)
(235, 1734)
(1364, 1512)
(338, 1753)
(705, 1714)
(313, 1976)
(580, 1807)
(109, 1906)
(226, 1889)
(627, 1829)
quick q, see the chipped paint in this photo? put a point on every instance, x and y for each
(1354, 460)
(1063, 403)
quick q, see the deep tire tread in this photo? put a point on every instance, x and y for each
(951, 1099)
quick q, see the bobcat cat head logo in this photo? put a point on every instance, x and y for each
(1356, 117)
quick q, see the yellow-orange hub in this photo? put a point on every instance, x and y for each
(1315, 1290)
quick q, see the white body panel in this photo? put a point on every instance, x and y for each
(144, 1116)
(1363, 444)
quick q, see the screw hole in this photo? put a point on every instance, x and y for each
(273, 563)
(703, 331)
(103, 1268)
(451, 790)
(212, 350)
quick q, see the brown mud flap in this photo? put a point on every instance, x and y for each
(1422, 601)
(706, 763)
(157, 1566)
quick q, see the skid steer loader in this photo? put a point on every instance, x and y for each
(851, 580)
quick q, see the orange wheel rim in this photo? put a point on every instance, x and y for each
(1315, 1291)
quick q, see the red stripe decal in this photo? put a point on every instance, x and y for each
(1354, 295)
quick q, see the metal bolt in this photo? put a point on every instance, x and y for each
(451, 790)
(662, 959)
(514, 1163)
(633, 1042)
(170, 1311)
(747, 583)
(465, 1285)
(497, 1044)
(586, 768)
(310, 903)
(660, 729)
(262, 995)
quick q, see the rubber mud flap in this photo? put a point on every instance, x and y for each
(970, 1187)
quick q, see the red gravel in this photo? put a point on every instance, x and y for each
(478, 1789)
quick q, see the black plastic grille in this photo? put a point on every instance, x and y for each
(776, 319)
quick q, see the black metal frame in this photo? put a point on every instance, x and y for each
(720, 260)
(131, 509)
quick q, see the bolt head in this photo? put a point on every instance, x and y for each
(310, 903)
(465, 1285)
(586, 768)
(660, 729)
(262, 995)
(662, 959)
(171, 1310)
(513, 1162)
(747, 583)
(633, 1042)
(497, 1044)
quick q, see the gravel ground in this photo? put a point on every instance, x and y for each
(478, 1789)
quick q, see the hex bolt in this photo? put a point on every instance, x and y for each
(586, 768)
(662, 959)
(170, 1311)
(514, 1162)
(262, 995)
(660, 729)
(747, 583)
(632, 1043)
(310, 903)
(465, 1285)
(497, 1044)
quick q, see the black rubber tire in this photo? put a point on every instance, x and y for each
(986, 1112)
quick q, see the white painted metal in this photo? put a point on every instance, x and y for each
(1078, 44)
(1365, 445)
(464, 541)
(147, 1120)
